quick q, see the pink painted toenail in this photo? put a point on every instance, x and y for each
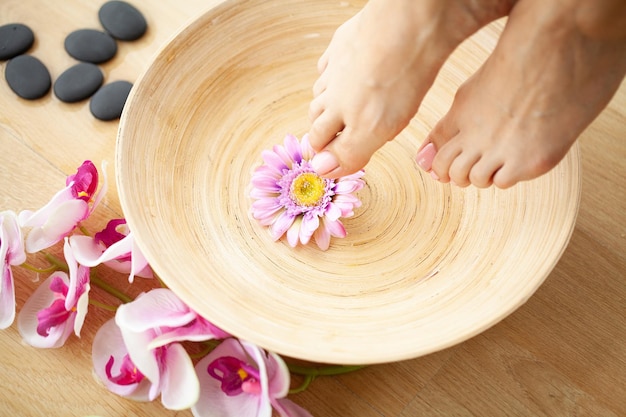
(324, 162)
(425, 157)
(434, 176)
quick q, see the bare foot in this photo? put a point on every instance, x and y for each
(377, 69)
(546, 81)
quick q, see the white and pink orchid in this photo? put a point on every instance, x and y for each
(58, 306)
(151, 328)
(60, 216)
(11, 254)
(115, 247)
(113, 366)
(240, 379)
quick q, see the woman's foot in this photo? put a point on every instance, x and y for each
(546, 81)
(377, 69)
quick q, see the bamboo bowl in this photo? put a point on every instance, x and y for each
(424, 266)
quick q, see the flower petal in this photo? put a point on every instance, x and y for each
(292, 145)
(107, 343)
(287, 408)
(62, 220)
(156, 308)
(7, 297)
(280, 226)
(180, 387)
(27, 321)
(213, 402)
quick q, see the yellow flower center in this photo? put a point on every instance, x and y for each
(307, 189)
(242, 374)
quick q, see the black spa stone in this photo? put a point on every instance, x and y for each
(15, 39)
(122, 20)
(28, 77)
(78, 82)
(90, 45)
(109, 100)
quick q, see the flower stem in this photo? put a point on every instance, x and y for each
(323, 370)
(30, 267)
(56, 262)
(305, 384)
(102, 305)
(84, 230)
(110, 289)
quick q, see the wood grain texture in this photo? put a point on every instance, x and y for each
(560, 354)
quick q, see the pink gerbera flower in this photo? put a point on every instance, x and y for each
(292, 198)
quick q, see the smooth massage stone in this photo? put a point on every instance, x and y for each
(28, 77)
(78, 82)
(15, 39)
(109, 100)
(90, 45)
(122, 20)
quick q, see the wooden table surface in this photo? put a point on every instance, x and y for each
(561, 354)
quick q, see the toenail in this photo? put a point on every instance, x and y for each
(425, 157)
(324, 162)
(434, 176)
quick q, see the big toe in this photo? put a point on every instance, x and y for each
(347, 153)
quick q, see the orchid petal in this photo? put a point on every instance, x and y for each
(144, 358)
(287, 408)
(62, 220)
(139, 263)
(199, 330)
(38, 218)
(213, 402)
(27, 321)
(108, 343)
(7, 297)
(11, 239)
(156, 308)
(81, 311)
(180, 386)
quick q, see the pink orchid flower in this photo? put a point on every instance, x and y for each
(113, 366)
(60, 216)
(151, 327)
(115, 247)
(240, 379)
(57, 307)
(11, 254)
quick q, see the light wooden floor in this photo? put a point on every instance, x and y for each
(561, 354)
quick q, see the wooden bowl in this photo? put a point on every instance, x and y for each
(424, 266)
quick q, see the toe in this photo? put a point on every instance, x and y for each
(483, 172)
(444, 159)
(322, 62)
(461, 167)
(351, 151)
(443, 131)
(320, 84)
(316, 108)
(324, 129)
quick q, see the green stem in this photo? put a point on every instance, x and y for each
(30, 267)
(84, 230)
(305, 384)
(56, 262)
(102, 305)
(323, 370)
(110, 289)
